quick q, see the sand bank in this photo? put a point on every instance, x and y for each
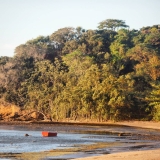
(134, 155)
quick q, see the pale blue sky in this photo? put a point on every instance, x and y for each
(22, 20)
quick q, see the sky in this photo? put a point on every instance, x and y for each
(23, 20)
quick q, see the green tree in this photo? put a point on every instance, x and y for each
(39, 48)
(154, 101)
(77, 64)
(112, 24)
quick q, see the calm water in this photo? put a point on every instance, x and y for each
(13, 139)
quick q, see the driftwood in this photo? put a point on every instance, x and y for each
(28, 114)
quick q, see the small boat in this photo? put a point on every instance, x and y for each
(49, 134)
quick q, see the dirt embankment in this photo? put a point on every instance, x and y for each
(10, 112)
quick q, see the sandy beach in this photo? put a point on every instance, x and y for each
(134, 155)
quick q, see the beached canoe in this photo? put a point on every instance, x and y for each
(49, 134)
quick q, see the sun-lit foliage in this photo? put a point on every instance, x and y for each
(103, 74)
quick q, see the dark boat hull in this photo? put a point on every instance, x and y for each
(49, 134)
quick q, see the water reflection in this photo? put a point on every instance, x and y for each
(13, 139)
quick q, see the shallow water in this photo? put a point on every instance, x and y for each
(13, 139)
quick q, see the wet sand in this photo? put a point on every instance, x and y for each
(132, 155)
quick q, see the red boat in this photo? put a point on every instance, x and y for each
(49, 134)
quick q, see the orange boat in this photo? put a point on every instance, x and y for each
(49, 134)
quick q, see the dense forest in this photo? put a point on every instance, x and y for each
(111, 73)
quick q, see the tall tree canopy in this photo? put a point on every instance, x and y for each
(112, 24)
(111, 73)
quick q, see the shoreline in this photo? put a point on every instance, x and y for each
(131, 155)
(141, 124)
